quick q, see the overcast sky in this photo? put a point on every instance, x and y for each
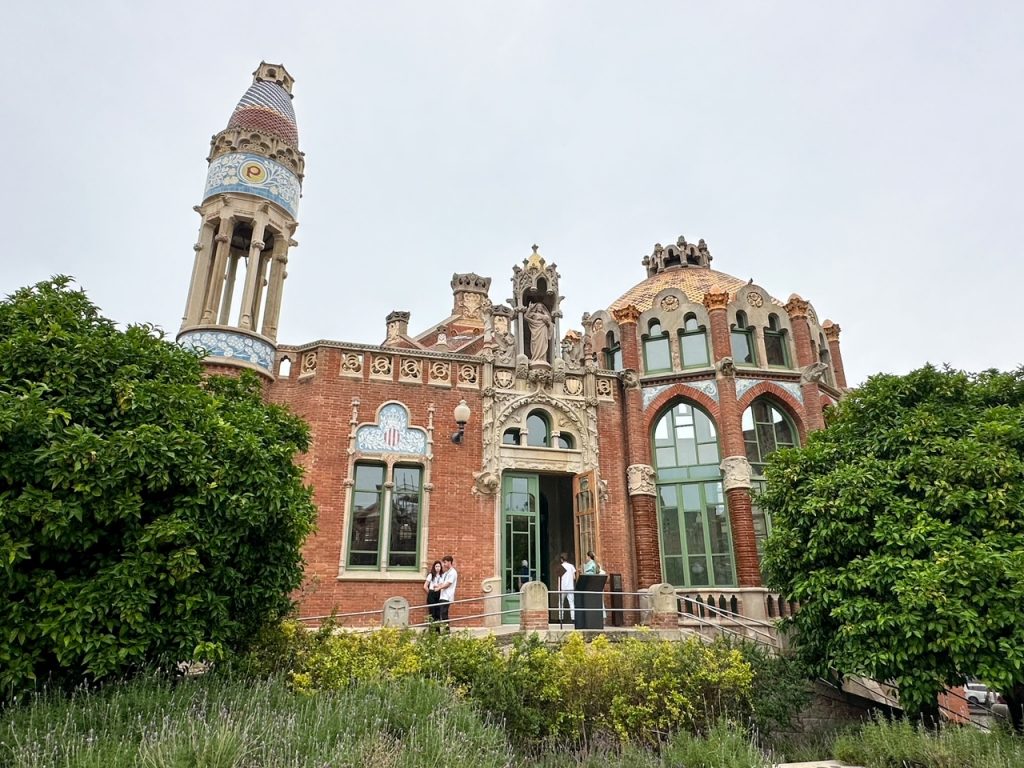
(866, 156)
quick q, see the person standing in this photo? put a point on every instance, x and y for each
(432, 586)
(566, 585)
(449, 581)
(591, 568)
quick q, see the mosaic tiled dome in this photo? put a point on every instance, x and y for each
(694, 282)
(267, 107)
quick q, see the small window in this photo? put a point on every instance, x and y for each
(743, 341)
(284, 368)
(538, 429)
(566, 442)
(776, 346)
(612, 353)
(693, 344)
(510, 437)
(657, 356)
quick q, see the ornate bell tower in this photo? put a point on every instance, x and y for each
(248, 215)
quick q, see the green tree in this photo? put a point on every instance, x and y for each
(147, 515)
(900, 530)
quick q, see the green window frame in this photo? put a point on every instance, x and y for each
(693, 344)
(612, 353)
(694, 533)
(744, 352)
(385, 517)
(538, 430)
(776, 344)
(657, 350)
(766, 428)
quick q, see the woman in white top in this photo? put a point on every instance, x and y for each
(432, 586)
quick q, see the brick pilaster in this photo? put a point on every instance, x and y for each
(797, 308)
(744, 543)
(831, 331)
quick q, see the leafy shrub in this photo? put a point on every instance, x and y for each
(339, 659)
(780, 687)
(724, 746)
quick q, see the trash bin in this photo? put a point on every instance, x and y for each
(589, 602)
(616, 600)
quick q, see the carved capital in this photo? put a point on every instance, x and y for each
(640, 480)
(714, 300)
(221, 238)
(485, 483)
(831, 330)
(735, 472)
(797, 307)
(627, 314)
(630, 378)
(813, 373)
(725, 368)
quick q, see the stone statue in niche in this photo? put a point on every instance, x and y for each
(538, 318)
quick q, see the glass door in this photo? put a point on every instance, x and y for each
(520, 539)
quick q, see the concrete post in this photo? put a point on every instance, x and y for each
(533, 601)
(664, 607)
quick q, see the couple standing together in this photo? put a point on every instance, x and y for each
(440, 588)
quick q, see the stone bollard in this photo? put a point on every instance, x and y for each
(533, 607)
(664, 606)
(396, 612)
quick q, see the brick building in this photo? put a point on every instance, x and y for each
(639, 436)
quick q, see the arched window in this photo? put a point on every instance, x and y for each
(612, 352)
(766, 428)
(657, 356)
(284, 368)
(743, 341)
(693, 343)
(693, 523)
(510, 437)
(566, 442)
(538, 429)
(776, 346)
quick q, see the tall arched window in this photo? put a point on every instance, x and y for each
(657, 356)
(538, 430)
(743, 341)
(776, 345)
(766, 428)
(612, 352)
(693, 523)
(693, 343)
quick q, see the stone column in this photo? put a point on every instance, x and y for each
(640, 474)
(831, 331)
(797, 308)
(252, 272)
(229, 290)
(200, 274)
(272, 312)
(735, 481)
(215, 285)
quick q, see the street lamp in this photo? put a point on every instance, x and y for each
(462, 414)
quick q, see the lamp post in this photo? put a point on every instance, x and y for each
(462, 414)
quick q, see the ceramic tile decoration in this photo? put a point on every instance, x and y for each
(391, 433)
(230, 345)
(254, 175)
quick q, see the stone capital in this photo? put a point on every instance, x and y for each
(797, 307)
(735, 472)
(831, 330)
(640, 480)
(630, 378)
(715, 300)
(626, 315)
(813, 373)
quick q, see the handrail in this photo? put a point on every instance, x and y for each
(723, 611)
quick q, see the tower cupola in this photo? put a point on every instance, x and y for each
(249, 209)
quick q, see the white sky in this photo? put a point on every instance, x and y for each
(867, 156)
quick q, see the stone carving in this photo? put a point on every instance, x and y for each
(716, 300)
(522, 367)
(725, 368)
(472, 304)
(440, 372)
(503, 379)
(604, 387)
(814, 372)
(485, 483)
(626, 314)
(543, 376)
(755, 299)
(735, 472)
(572, 349)
(442, 337)
(308, 363)
(351, 363)
(539, 321)
(467, 374)
(573, 386)
(234, 140)
(831, 330)
(630, 378)
(397, 324)
(598, 325)
(381, 365)
(640, 480)
(410, 369)
(396, 613)
(670, 303)
(797, 307)
(602, 491)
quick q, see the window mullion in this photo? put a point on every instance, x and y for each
(384, 545)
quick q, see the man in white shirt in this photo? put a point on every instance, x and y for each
(566, 585)
(449, 581)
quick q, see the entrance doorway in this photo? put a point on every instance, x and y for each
(542, 516)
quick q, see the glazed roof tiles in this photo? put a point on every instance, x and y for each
(267, 107)
(693, 282)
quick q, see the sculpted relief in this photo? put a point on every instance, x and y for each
(539, 320)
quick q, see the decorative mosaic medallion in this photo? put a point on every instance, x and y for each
(391, 433)
(254, 175)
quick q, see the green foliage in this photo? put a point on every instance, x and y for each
(882, 744)
(779, 690)
(724, 746)
(146, 517)
(900, 530)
